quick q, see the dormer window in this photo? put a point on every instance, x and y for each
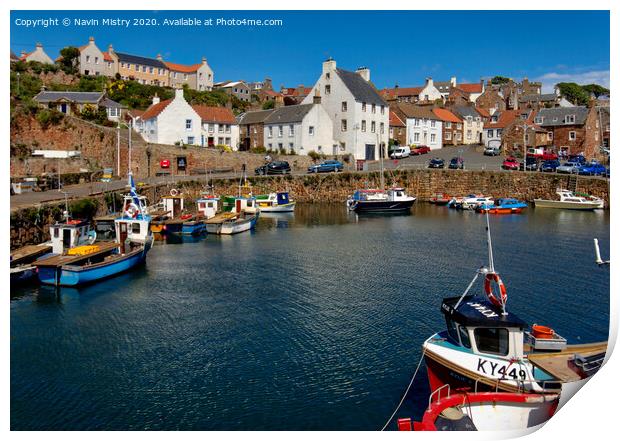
(539, 120)
(494, 119)
(570, 119)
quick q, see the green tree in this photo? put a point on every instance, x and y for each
(269, 105)
(70, 58)
(574, 93)
(595, 89)
(497, 79)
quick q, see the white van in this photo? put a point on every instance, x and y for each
(400, 152)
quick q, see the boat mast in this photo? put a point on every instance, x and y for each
(490, 246)
(381, 160)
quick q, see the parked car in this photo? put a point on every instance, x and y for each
(400, 152)
(580, 159)
(420, 150)
(593, 169)
(541, 154)
(550, 166)
(492, 151)
(568, 167)
(274, 168)
(326, 166)
(456, 163)
(510, 163)
(436, 163)
(531, 164)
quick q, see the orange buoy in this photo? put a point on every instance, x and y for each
(539, 331)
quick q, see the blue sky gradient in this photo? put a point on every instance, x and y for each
(401, 47)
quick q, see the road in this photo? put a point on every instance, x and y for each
(473, 159)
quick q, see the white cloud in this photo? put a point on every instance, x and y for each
(594, 76)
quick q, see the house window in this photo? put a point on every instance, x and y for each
(96, 60)
(343, 125)
(432, 123)
(416, 122)
(137, 68)
(448, 136)
(327, 75)
(227, 142)
(311, 130)
(498, 132)
(280, 146)
(328, 89)
(459, 136)
(570, 119)
(459, 126)
(391, 131)
(291, 130)
(190, 140)
(469, 119)
(572, 136)
(220, 128)
(382, 128)
(469, 134)
(538, 120)
(527, 137)
(433, 137)
(227, 126)
(188, 124)
(88, 58)
(291, 146)
(363, 107)
(373, 126)
(550, 136)
(448, 125)
(185, 76)
(382, 110)
(490, 133)
(280, 131)
(344, 106)
(211, 127)
(416, 137)
(151, 70)
(363, 125)
(270, 132)
(374, 108)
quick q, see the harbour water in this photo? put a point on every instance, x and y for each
(313, 321)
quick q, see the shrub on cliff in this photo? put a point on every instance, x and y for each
(258, 150)
(84, 208)
(49, 117)
(223, 148)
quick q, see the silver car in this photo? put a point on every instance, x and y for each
(568, 167)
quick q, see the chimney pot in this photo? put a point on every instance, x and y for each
(91, 40)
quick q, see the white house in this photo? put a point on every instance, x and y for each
(70, 103)
(495, 126)
(175, 121)
(429, 92)
(38, 54)
(360, 117)
(423, 126)
(300, 129)
(472, 124)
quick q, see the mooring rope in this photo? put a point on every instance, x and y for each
(406, 391)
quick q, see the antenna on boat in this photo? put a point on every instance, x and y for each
(491, 266)
(381, 153)
(599, 261)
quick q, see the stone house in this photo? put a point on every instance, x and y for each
(471, 90)
(141, 69)
(604, 117)
(240, 89)
(423, 126)
(219, 126)
(495, 126)
(360, 117)
(294, 95)
(452, 126)
(38, 54)
(300, 129)
(491, 99)
(196, 76)
(523, 133)
(252, 128)
(72, 103)
(472, 124)
(398, 129)
(95, 62)
(423, 94)
(545, 100)
(572, 129)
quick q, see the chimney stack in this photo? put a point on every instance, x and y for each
(159, 57)
(110, 49)
(91, 40)
(429, 82)
(453, 81)
(204, 60)
(39, 45)
(364, 72)
(329, 65)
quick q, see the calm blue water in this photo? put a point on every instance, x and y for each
(314, 321)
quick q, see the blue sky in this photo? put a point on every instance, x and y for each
(401, 47)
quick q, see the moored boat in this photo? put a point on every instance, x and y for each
(487, 348)
(167, 220)
(377, 201)
(567, 200)
(440, 199)
(279, 202)
(503, 206)
(22, 269)
(471, 410)
(469, 202)
(99, 260)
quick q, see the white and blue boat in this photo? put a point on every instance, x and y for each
(279, 202)
(99, 260)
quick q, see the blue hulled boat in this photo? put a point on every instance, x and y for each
(503, 206)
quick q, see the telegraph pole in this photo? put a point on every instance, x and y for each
(129, 152)
(118, 149)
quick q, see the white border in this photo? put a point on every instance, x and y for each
(591, 415)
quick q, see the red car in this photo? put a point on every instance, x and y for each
(420, 150)
(510, 163)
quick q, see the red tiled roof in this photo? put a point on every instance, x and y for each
(470, 87)
(446, 115)
(155, 109)
(107, 56)
(214, 114)
(271, 93)
(182, 67)
(24, 56)
(402, 91)
(395, 120)
(483, 112)
(505, 118)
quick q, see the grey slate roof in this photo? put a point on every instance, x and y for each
(135, 59)
(538, 98)
(107, 102)
(362, 91)
(443, 86)
(289, 114)
(257, 117)
(557, 115)
(465, 111)
(48, 96)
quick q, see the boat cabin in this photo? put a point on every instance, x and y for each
(478, 326)
(369, 195)
(242, 204)
(131, 231)
(396, 193)
(208, 206)
(70, 234)
(173, 204)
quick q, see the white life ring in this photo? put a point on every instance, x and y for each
(174, 192)
(132, 210)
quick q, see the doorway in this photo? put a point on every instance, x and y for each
(370, 152)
